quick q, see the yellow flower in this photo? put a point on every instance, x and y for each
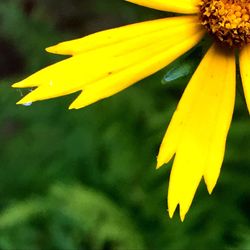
(107, 62)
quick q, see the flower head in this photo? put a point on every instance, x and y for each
(107, 62)
(227, 21)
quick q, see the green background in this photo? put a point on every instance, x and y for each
(86, 179)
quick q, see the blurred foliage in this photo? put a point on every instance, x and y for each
(79, 222)
(86, 179)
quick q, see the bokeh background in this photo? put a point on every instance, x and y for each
(86, 179)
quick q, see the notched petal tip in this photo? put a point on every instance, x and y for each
(210, 191)
(73, 106)
(210, 187)
(18, 85)
(78, 104)
(51, 49)
(182, 216)
(31, 97)
(163, 157)
(26, 83)
(172, 205)
(171, 213)
(15, 85)
(25, 100)
(57, 49)
(62, 48)
(182, 212)
(159, 164)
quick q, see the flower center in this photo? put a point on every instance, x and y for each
(227, 20)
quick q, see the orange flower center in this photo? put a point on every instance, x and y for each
(227, 20)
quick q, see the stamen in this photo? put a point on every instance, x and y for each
(227, 20)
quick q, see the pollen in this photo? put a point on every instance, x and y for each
(228, 21)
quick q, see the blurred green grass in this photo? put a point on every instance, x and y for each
(86, 179)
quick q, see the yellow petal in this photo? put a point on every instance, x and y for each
(107, 39)
(198, 130)
(110, 86)
(178, 6)
(100, 75)
(245, 74)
